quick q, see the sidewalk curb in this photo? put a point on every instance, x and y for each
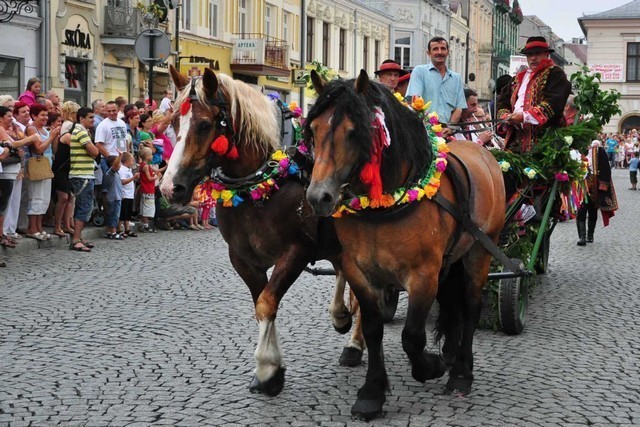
(26, 245)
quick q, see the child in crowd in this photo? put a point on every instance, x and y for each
(148, 178)
(112, 187)
(633, 170)
(128, 192)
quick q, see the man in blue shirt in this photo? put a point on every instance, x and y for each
(612, 145)
(436, 83)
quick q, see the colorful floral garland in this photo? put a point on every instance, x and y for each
(283, 166)
(427, 186)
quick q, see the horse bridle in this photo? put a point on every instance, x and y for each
(222, 119)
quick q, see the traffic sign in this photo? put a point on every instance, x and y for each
(152, 47)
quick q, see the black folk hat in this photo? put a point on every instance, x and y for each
(536, 44)
(390, 65)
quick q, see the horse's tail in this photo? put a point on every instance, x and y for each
(450, 290)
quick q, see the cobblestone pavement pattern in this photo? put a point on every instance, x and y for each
(160, 330)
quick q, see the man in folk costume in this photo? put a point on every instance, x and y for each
(601, 194)
(535, 99)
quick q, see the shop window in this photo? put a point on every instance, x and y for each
(75, 81)
(117, 82)
(10, 83)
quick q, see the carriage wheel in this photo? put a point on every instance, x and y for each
(391, 296)
(513, 299)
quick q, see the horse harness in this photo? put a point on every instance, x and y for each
(462, 215)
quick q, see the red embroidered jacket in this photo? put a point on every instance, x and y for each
(545, 98)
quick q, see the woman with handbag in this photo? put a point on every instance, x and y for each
(10, 177)
(39, 158)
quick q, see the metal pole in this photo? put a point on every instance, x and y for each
(543, 226)
(152, 61)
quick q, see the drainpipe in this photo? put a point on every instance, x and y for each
(177, 31)
(44, 45)
(355, 44)
(303, 50)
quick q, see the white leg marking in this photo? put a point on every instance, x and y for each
(267, 355)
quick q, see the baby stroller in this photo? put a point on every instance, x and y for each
(98, 217)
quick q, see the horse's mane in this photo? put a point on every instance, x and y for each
(410, 143)
(252, 113)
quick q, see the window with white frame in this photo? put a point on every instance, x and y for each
(213, 18)
(310, 41)
(186, 15)
(633, 62)
(402, 49)
(342, 52)
(242, 16)
(285, 26)
(325, 44)
(267, 20)
(365, 53)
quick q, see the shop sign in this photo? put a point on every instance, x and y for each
(77, 38)
(608, 72)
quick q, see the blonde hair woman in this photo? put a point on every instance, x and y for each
(63, 213)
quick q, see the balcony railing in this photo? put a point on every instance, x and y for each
(260, 50)
(120, 20)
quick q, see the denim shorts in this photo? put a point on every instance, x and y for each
(113, 212)
(84, 197)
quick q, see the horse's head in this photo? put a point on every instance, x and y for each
(350, 127)
(223, 123)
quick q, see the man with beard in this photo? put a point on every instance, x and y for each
(435, 82)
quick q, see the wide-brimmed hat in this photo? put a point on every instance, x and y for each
(536, 44)
(390, 65)
(404, 77)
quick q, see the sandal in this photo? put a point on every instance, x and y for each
(87, 243)
(36, 236)
(131, 234)
(79, 246)
(59, 233)
(7, 242)
(69, 230)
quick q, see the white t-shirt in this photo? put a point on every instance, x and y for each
(128, 190)
(113, 135)
(165, 104)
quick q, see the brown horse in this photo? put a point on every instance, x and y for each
(419, 247)
(280, 231)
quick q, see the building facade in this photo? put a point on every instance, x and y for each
(21, 27)
(459, 39)
(480, 46)
(506, 20)
(614, 51)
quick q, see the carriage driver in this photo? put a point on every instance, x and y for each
(535, 98)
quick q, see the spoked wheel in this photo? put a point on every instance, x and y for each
(513, 300)
(391, 296)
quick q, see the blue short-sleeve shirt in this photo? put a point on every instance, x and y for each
(445, 93)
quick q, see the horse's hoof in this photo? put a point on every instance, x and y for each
(367, 409)
(458, 385)
(433, 366)
(350, 356)
(272, 387)
(345, 328)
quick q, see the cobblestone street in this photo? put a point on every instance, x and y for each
(160, 330)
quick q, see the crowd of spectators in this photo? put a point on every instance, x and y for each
(105, 160)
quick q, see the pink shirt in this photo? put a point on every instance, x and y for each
(27, 97)
(166, 143)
